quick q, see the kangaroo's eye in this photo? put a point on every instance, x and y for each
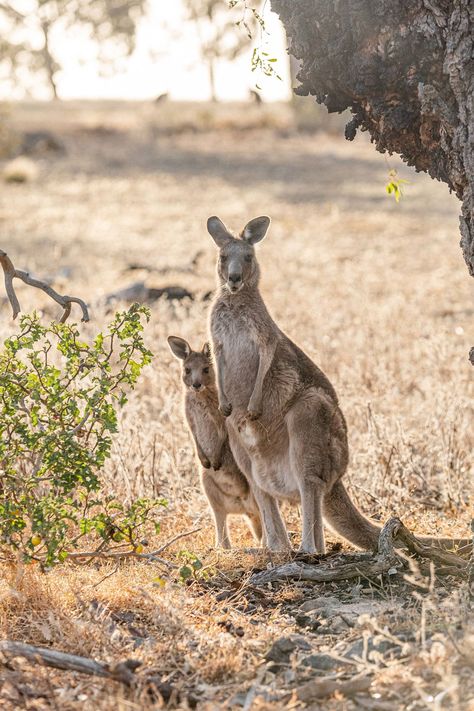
(187, 371)
(205, 370)
(223, 258)
(248, 257)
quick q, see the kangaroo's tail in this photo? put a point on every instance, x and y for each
(349, 522)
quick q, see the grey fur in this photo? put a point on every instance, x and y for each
(287, 432)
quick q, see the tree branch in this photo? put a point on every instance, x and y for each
(11, 273)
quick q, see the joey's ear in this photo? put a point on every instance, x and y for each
(179, 347)
(256, 229)
(218, 231)
(206, 350)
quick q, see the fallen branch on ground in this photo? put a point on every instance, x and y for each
(11, 273)
(123, 672)
(366, 565)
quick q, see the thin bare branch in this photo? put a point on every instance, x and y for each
(117, 555)
(11, 273)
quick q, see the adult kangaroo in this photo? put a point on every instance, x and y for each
(283, 413)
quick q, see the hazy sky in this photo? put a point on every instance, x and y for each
(166, 60)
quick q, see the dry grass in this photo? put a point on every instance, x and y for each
(376, 293)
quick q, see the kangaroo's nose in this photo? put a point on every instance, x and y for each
(235, 277)
(197, 386)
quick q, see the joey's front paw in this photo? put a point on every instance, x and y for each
(225, 408)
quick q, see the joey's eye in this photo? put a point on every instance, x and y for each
(205, 370)
(248, 257)
(223, 258)
(187, 371)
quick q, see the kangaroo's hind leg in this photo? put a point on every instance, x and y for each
(255, 525)
(219, 511)
(311, 467)
(312, 493)
(275, 536)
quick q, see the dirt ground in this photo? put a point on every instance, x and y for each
(374, 291)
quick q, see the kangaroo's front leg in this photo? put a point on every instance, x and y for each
(217, 456)
(224, 405)
(265, 359)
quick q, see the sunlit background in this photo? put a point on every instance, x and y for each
(167, 59)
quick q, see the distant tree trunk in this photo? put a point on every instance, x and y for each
(406, 72)
(212, 78)
(49, 62)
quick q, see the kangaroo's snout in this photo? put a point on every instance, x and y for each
(197, 386)
(235, 281)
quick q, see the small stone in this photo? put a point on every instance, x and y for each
(282, 649)
(337, 625)
(319, 603)
(322, 662)
(356, 650)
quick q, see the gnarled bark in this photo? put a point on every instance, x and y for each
(405, 70)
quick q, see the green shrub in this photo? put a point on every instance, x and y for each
(59, 397)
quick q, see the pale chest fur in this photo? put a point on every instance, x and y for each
(236, 332)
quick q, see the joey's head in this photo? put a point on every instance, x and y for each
(197, 370)
(237, 266)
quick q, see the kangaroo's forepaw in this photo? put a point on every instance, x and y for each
(206, 463)
(216, 465)
(225, 408)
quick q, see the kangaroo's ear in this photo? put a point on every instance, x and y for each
(256, 229)
(206, 350)
(179, 347)
(218, 231)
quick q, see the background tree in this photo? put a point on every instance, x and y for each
(30, 35)
(215, 28)
(405, 71)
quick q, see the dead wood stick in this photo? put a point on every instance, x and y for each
(11, 273)
(361, 565)
(365, 564)
(440, 556)
(318, 688)
(123, 672)
(367, 567)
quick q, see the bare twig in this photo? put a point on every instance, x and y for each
(172, 540)
(116, 555)
(11, 273)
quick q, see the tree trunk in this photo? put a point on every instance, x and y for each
(49, 63)
(406, 72)
(212, 79)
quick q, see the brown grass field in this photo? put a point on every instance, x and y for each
(376, 292)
